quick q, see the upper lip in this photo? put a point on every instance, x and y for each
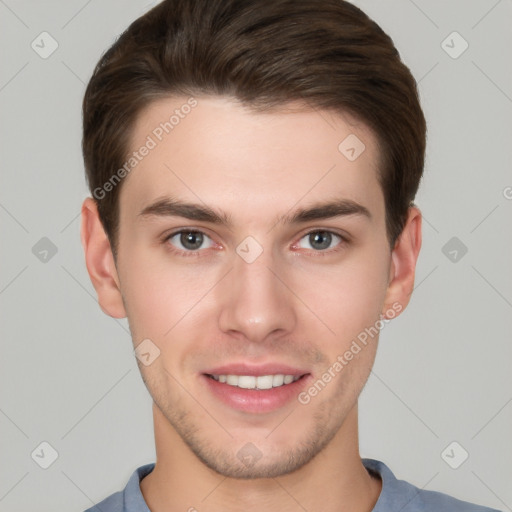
(256, 370)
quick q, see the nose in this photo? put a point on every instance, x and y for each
(256, 304)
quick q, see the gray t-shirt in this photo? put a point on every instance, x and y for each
(396, 495)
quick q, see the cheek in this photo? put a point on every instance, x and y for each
(349, 297)
(158, 295)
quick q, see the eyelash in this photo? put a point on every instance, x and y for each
(197, 253)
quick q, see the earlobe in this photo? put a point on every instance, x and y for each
(403, 264)
(100, 261)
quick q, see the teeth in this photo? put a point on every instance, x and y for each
(252, 382)
(246, 382)
(288, 379)
(264, 382)
(277, 380)
(232, 380)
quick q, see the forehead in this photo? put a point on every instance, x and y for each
(218, 152)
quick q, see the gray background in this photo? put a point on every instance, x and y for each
(442, 374)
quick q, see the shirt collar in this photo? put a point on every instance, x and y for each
(394, 492)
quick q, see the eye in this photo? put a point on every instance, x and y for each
(189, 240)
(319, 240)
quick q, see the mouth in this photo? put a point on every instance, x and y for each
(260, 382)
(255, 389)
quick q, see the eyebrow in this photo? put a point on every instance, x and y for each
(168, 207)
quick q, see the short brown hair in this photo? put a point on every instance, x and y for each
(264, 53)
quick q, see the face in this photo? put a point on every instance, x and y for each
(252, 253)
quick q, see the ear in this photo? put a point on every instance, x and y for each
(100, 261)
(403, 265)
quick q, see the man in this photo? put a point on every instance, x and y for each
(253, 167)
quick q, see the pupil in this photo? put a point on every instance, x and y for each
(191, 240)
(320, 240)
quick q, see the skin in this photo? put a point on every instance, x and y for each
(296, 304)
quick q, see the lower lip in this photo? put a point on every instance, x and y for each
(256, 400)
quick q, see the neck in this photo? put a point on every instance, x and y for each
(334, 481)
